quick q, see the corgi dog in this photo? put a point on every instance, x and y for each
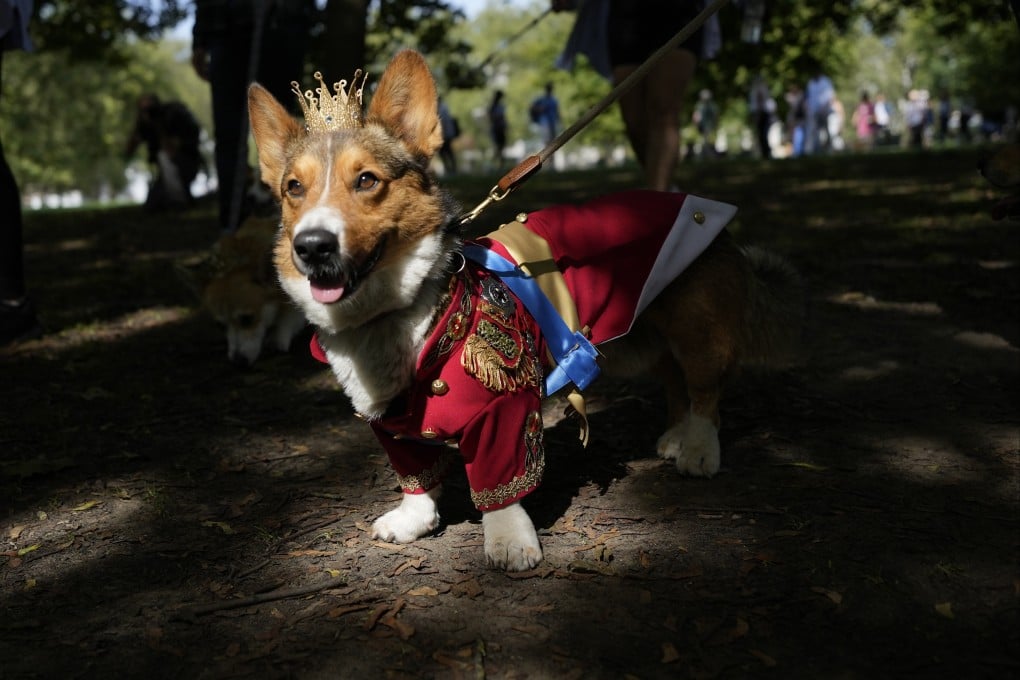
(435, 349)
(236, 284)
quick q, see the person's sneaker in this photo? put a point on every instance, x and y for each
(18, 322)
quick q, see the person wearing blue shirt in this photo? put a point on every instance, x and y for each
(545, 112)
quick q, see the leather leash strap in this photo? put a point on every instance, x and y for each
(532, 164)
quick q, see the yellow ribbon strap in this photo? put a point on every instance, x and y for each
(535, 258)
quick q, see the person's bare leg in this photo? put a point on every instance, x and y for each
(632, 109)
(665, 89)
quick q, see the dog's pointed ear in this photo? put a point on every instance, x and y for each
(274, 130)
(196, 272)
(406, 103)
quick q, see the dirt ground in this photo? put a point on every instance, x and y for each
(166, 515)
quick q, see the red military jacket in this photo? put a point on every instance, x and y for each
(479, 377)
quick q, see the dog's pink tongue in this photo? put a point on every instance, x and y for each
(327, 295)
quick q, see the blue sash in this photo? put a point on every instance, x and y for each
(573, 353)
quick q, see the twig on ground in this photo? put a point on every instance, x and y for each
(284, 594)
(276, 546)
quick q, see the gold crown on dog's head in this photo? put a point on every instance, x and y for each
(331, 112)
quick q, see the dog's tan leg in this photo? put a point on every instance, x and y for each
(678, 402)
(700, 316)
(692, 441)
(510, 539)
(416, 516)
(700, 455)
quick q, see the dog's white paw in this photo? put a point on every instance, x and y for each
(416, 516)
(510, 539)
(693, 444)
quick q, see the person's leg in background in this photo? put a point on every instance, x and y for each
(228, 75)
(652, 109)
(17, 315)
(651, 114)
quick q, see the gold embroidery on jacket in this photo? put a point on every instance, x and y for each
(493, 354)
(534, 466)
(429, 478)
(500, 341)
(456, 326)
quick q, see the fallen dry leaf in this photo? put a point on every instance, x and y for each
(469, 588)
(765, 659)
(540, 572)
(15, 532)
(803, 464)
(154, 636)
(539, 609)
(347, 609)
(669, 653)
(374, 617)
(718, 636)
(533, 629)
(415, 564)
(88, 505)
(591, 567)
(24, 551)
(393, 547)
(312, 553)
(222, 526)
(831, 594)
(945, 609)
(404, 630)
(645, 559)
(423, 591)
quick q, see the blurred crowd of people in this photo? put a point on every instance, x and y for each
(812, 119)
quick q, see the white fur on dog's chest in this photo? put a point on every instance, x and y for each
(375, 363)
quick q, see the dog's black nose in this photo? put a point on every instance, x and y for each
(316, 246)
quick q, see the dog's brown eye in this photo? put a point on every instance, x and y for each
(295, 188)
(366, 181)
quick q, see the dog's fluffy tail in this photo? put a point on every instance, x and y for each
(775, 313)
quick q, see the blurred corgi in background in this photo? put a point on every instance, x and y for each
(236, 284)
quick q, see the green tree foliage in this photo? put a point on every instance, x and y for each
(77, 142)
(425, 25)
(366, 33)
(99, 30)
(98, 51)
(972, 56)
